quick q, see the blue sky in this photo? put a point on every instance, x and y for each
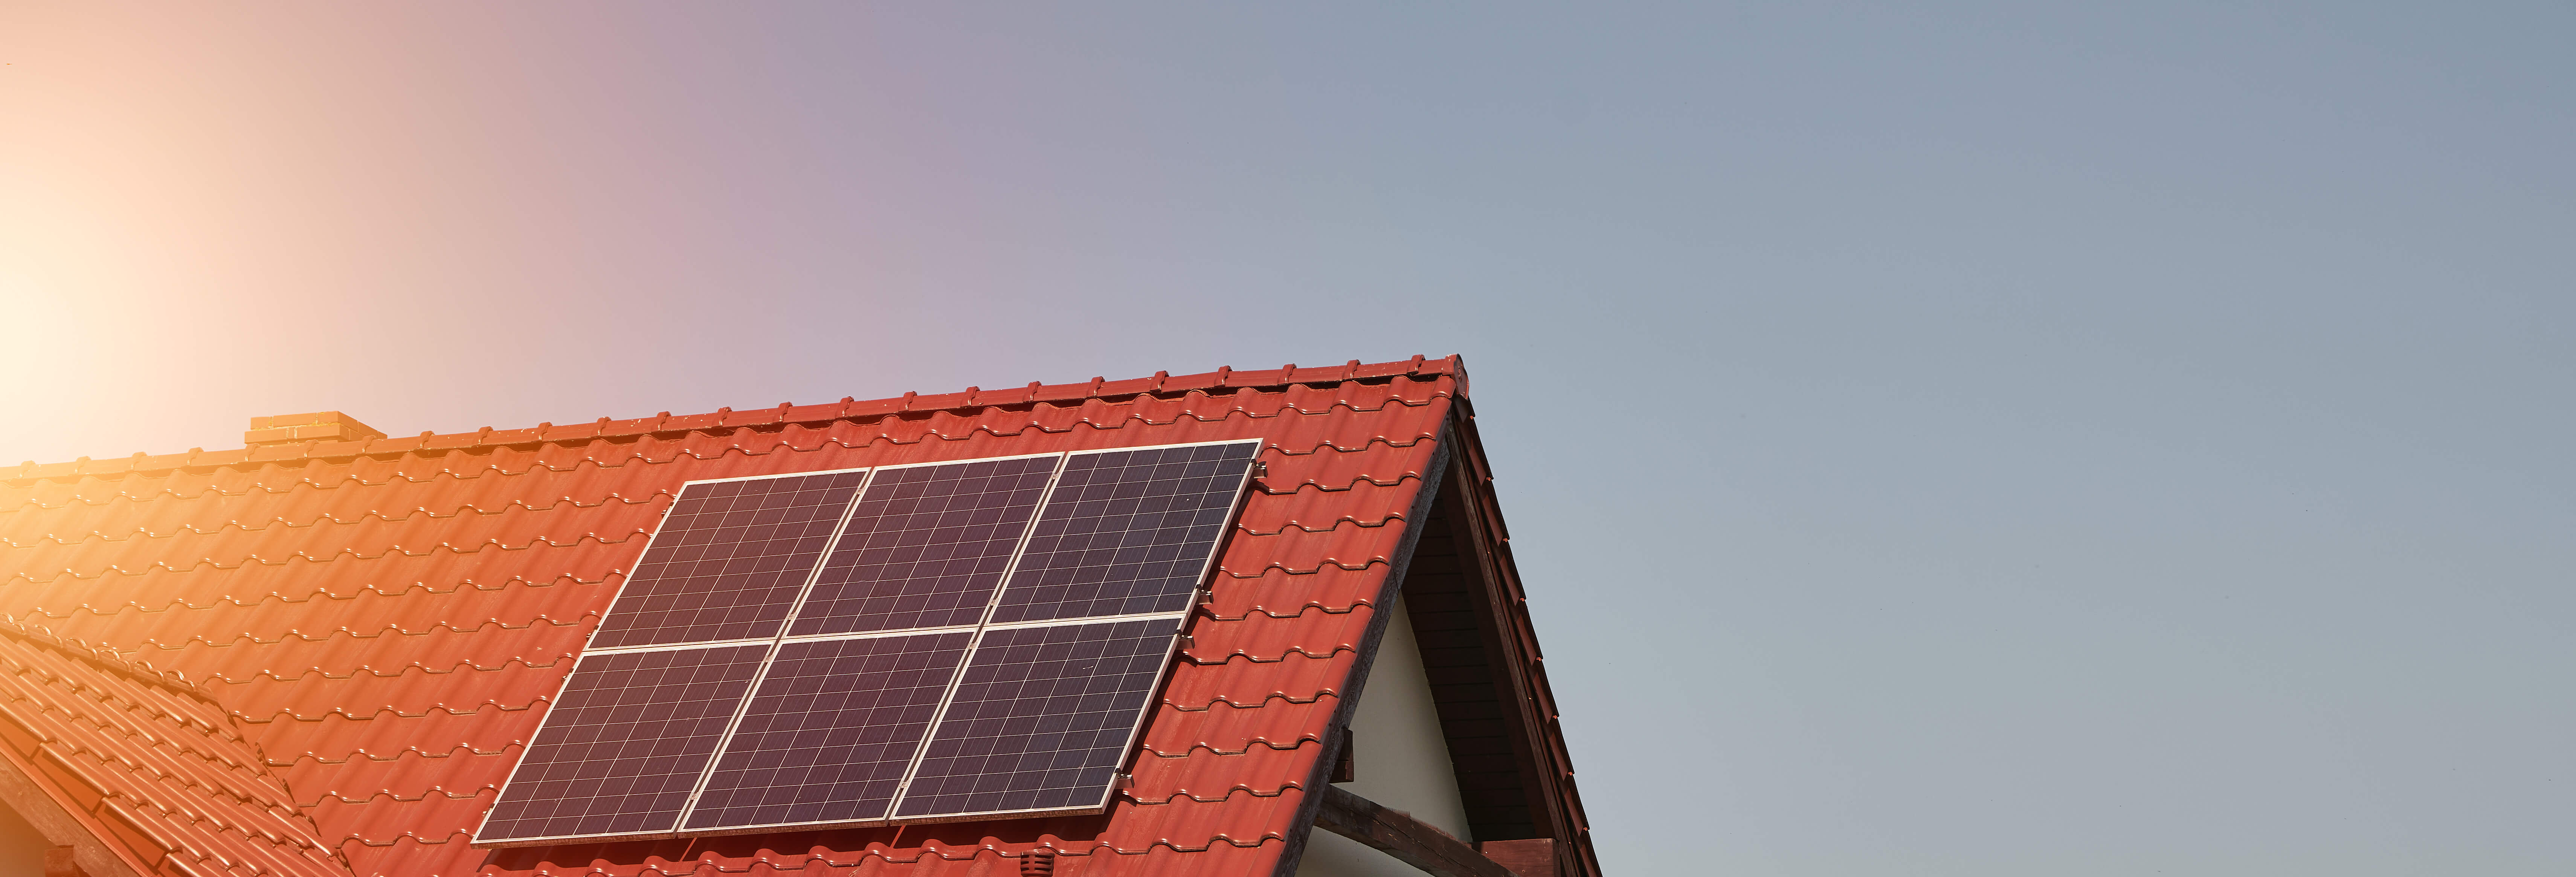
(1988, 440)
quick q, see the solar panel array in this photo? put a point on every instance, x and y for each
(908, 643)
(1126, 532)
(1041, 719)
(829, 735)
(632, 732)
(729, 560)
(926, 547)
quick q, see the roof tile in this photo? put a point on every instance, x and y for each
(378, 625)
(160, 772)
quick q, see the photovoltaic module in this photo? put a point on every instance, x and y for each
(915, 643)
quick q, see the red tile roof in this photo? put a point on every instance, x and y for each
(149, 762)
(323, 657)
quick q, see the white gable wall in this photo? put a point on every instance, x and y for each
(1401, 759)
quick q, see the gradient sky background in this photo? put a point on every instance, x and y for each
(1996, 440)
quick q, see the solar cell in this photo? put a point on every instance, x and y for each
(1041, 720)
(623, 744)
(925, 546)
(830, 731)
(729, 560)
(1127, 532)
(978, 638)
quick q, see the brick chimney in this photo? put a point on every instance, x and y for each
(319, 426)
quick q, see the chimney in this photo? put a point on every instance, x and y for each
(319, 426)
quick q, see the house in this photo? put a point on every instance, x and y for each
(324, 652)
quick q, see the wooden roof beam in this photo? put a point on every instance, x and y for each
(1395, 832)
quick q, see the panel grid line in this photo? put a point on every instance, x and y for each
(927, 546)
(987, 618)
(1041, 715)
(797, 619)
(1053, 797)
(1127, 531)
(1096, 619)
(770, 656)
(629, 713)
(1053, 677)
(727, 560)
(829, 733)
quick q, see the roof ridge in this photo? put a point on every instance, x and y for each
(848, 408)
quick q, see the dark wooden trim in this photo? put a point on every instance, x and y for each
(1526, 857)
(1346, 768)
(1526, 707)
(1398, 834)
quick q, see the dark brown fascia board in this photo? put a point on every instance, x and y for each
(1347, 704)
(1512, 647)
(1398, 834)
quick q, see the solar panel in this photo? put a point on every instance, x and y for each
(1042, 719)
(729, 560)
(1127, 532)
(624, 744)
(909, 643)
(828, 735)
(926, 546)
